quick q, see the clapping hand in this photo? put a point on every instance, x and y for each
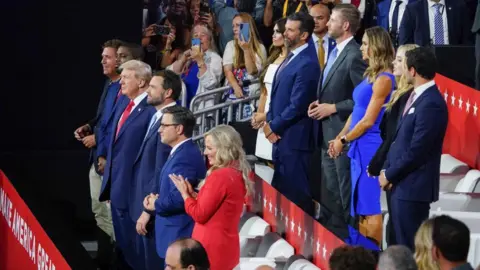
(183, 186)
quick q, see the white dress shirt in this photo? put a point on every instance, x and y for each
(158, 115)
(420, 89)
(297, 51)
(401, 11)
(325, 45)
(178, 145)
(136, 101)
(431, 20)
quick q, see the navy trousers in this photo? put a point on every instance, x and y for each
(123, 228)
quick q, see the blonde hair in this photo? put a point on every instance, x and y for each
(142, 70)
(382, 52)
(402, 83)
(230, 152)
(423, 247)
(255, 44)
(209, 33)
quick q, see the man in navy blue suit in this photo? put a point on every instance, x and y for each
(437, 22)
(129, 125)
(171, 221)
(412, 168)
(289, 129)
(165, 88)
(390, 14)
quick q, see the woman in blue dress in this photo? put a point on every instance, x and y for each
(362, 130)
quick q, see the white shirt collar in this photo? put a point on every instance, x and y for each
(324, 38)
(138, 99)
(300, 49)
(420, 89)
(431, 3)
(178, 145)
(159, 113)
(342, 45)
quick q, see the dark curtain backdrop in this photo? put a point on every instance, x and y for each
(51, 83)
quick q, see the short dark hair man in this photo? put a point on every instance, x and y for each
(187, 254)
(451, 242)
(413, 161)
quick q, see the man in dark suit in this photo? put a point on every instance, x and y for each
(412, 168)
(171, 221)
(90, 135)
(343, 72)
(289, 129)
(476, 31)
(390, 14)
(165, 88)
(129, 125)
(436, 22)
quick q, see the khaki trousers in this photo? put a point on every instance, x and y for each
(101, 210)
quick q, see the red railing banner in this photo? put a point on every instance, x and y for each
(462, 139)
(24, 244)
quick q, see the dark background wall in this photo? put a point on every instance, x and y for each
(51, 83)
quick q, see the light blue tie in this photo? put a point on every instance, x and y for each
(152, 123)
(330, 61)
(438, 25)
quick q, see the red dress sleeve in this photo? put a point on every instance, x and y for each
(209, 199)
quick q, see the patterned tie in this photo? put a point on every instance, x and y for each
(409, 103)
(152, 123)
(438, 24)
(124, 116)
(321, 53)
(331, 59)
(284, 63)
(394, 28)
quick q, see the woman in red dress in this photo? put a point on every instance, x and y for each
(219, 204)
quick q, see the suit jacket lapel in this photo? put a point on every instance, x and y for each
(337, 63)
(286, 69)
(152, 131)
(138, 110)
(415, 103)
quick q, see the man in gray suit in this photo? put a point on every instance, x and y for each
(476, 31)
(342, 73)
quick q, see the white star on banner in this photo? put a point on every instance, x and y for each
(467, 105)
(445, 95)
(292, 225)
(460, 103)
(324, 251)
(318, 247)
(299, 229)
(270, 206)
(265, 202)
(286, 222)
(452, 98)
(475, 108)
(305, 234)
(281, 213)
(275, 210)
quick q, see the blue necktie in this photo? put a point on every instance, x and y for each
(330, 61)
(438, 25)
(394, 28)
(152, 123)
(284, 63)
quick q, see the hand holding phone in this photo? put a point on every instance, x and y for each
(161, 30)
(196, 45)
(245, 32)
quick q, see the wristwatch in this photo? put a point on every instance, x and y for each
(343, 139)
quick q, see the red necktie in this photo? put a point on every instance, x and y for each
(356, 3)
(124, 116)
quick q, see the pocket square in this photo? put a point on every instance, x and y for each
(412, 110)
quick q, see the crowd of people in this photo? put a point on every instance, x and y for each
(351, 81)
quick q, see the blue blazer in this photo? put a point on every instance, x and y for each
(292, 91)
(122, 152)
(415, 24)
(171, 221)
(147, 166)
(413, 161)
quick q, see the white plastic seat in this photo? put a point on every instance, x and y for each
(303, 264)
(457, 202)
(253, 263)
(451, 165)
(469, 182)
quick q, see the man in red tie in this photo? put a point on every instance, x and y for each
(129, 125)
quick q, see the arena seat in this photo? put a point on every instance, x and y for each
(469, 183)
(264, 172)
(253, 263)
(252, 225)
(275, 247)
(452, 201)
(298, 262)
(451, 165)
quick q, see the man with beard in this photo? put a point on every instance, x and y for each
(164, 89)
(289, 129)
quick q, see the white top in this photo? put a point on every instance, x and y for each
(228, 56)
(401, 11)
(317, 42)
(431, 19)
(420, 89)
(178, 145)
